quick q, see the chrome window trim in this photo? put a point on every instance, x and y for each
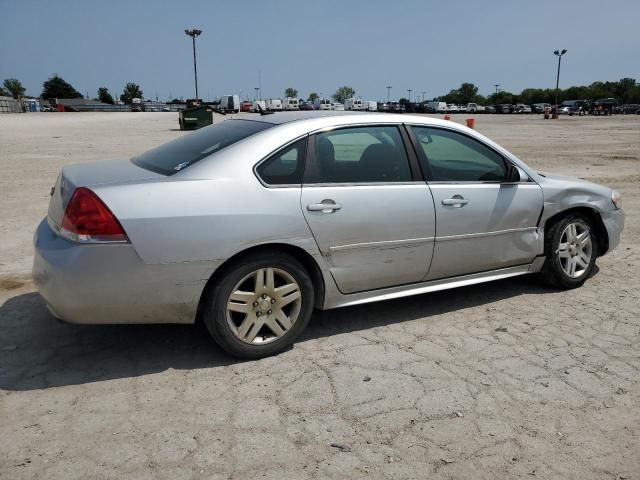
(367, 184)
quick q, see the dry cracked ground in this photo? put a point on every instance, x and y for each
(503, 380)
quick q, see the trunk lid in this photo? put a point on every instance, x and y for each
(108, 172)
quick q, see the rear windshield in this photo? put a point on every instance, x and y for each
(183, 152)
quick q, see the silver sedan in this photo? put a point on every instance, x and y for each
(252, 223)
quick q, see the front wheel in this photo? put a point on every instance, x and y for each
(571, 250)
(260, 305)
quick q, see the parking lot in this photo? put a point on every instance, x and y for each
(502, 380)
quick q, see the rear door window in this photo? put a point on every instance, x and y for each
(359, 155)
(183, 152)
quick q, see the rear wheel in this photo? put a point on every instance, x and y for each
(571, 249)
(260, 305)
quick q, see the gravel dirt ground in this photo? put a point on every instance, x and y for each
(502, 380)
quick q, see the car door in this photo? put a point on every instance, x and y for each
(371, 214)
(484, 220)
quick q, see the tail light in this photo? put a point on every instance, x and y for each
(88, 219)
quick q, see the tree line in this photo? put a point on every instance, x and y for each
(625, 90)
(57, 87)
(340, 95)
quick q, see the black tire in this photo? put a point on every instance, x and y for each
(215, 304)
(552, 271)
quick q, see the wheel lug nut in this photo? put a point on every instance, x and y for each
(269, 312)
(264, 295)
(258, 314)
(255, 304)
(273, 300)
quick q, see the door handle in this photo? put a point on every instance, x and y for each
(456, 201)
(326, 206)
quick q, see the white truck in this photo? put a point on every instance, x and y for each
(229, 104)
(474, 108)
(370, 106)
(322, 104)
(436, 107)
(353, 104)
(258, 105)
(291, 103)
(274, 104)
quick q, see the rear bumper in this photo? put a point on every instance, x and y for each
(109, 283)
(614, 223)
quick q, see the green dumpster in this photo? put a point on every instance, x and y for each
(195, 118)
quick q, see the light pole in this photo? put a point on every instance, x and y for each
(193, 34)
(388, 93)
(559, 54)
(497, 85)
(256, 95)
(423, 92)
(409, 90)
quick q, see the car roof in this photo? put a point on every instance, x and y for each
(318, 119)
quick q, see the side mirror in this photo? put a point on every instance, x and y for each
(513, 175)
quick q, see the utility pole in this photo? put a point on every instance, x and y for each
(193, 34)
(409, 90)
(388, 93)
(423, 92)
(559, 54)
(255, 97)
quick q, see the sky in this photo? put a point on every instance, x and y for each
(317, 46)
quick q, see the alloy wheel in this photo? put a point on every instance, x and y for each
(575, 249)
(263, 306)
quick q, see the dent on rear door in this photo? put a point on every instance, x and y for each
(382, 236)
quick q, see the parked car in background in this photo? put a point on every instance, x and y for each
(579, 107)
(290, 104)
(436, 107)
(451, 108)
(603, 106)
(539, 107)
(564, 110)
(522, 108)
(490, 109)
(631, 108)
(383, 107)
(322, 104)
(273, 104)
(504, 108)
(229, 104)
(259, 105)
(353, 104)
(396, 107)
(192, 228)
(303, 105)
(474, 108)
(338, 106)
(370, 106)
(246, 106)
